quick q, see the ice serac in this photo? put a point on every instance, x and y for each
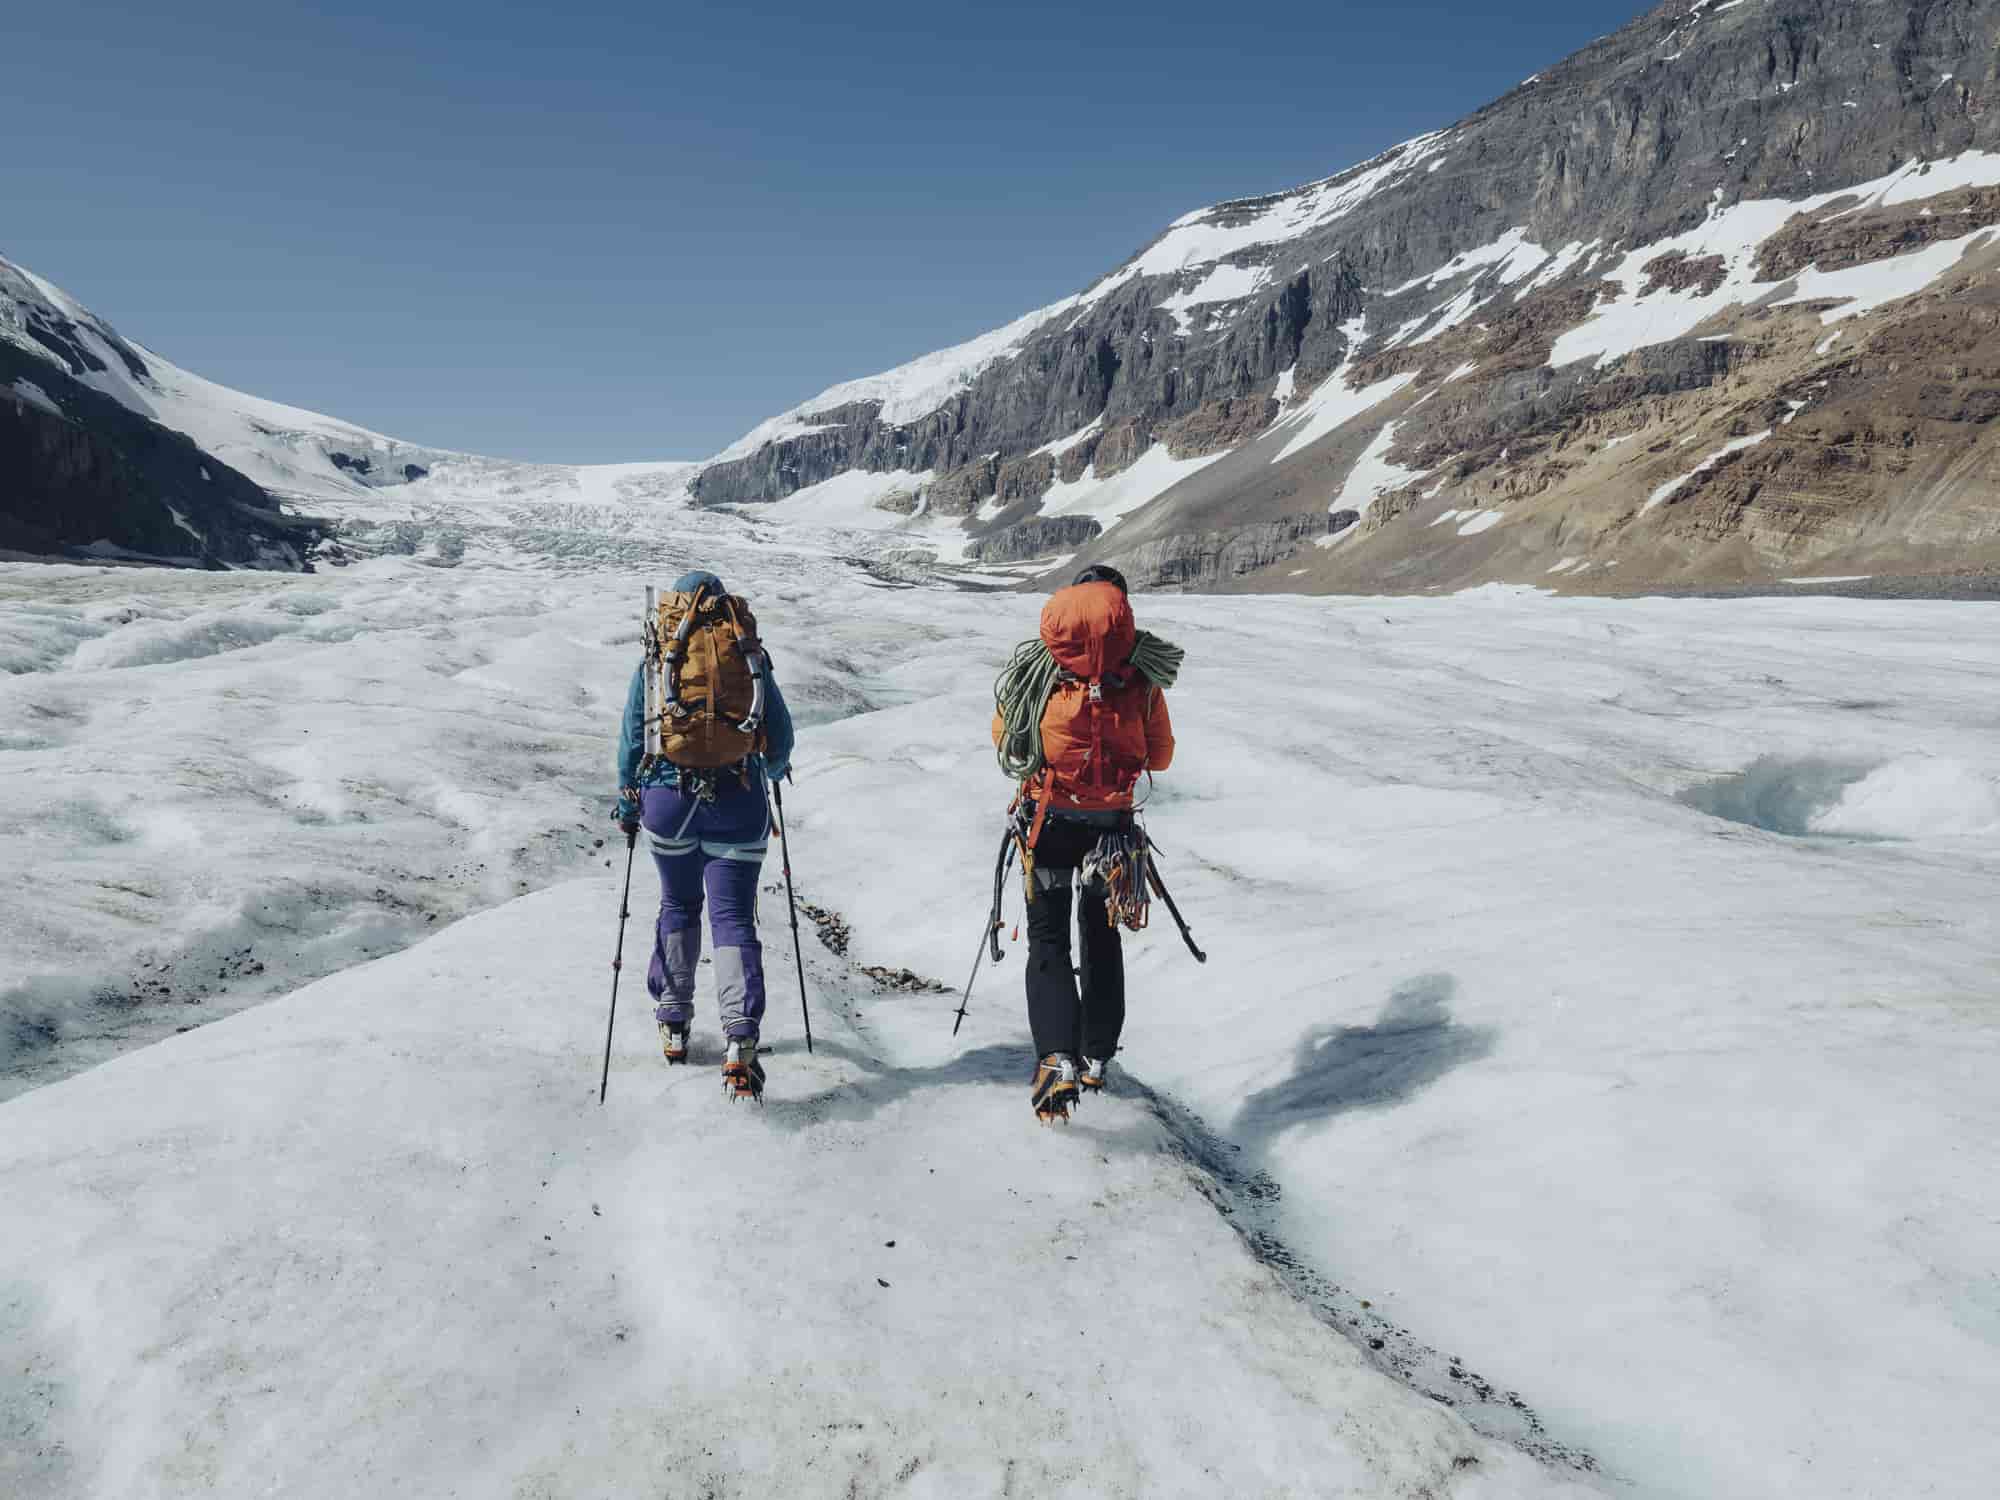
(1720, 219)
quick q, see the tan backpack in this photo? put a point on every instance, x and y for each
(704, 689)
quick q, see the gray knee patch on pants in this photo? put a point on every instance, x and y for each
(681, 951)
(732, 993)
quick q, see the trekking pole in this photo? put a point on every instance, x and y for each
(1167, 896)
(798, 955)
(991, 936)
(618, 960)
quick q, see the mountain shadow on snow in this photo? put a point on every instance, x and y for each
(1411, 1045)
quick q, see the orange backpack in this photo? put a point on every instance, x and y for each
(1094, 728)
(704, 693)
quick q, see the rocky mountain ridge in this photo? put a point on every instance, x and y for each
(83, 473)
(1491, 345)
(1713, 300)
(110, 451)
(86, 477)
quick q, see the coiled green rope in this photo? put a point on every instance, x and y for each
(1021, 695)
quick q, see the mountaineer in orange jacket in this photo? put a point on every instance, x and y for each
(1105, 725)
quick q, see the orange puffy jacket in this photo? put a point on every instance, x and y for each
(1097, 746)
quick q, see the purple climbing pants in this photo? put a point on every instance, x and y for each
(713, 852)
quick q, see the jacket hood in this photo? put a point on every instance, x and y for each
(1088, 628)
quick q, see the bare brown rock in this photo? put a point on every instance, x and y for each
(1074, 462)
(1218, 425)
(1854, 239)
(1120, 446)
(1026, 478)
(1516, 336)
(1677, 271)
(963, 491)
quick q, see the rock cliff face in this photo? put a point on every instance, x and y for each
(103, 444)
(110, 450)
(1627, 315)
(80, 475)
(1034, 538)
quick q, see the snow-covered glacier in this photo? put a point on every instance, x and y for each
(1592, 1069)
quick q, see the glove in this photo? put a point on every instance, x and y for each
(626, 814)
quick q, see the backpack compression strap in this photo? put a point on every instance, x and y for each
(677, 653)
(759, 664)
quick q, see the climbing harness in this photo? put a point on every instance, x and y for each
(1121, 860)
(704, 785)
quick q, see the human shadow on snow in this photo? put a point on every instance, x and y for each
(1411, 1045)
(881, 1084)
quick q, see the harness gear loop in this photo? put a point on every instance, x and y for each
(1122, 863)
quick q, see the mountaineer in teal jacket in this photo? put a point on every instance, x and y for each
(708, 832)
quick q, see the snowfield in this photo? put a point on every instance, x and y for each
(379, 1238)
(1590, 1090)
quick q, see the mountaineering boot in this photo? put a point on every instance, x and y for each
(742, 1074)
(1091, 1078)
(674, 1042)
(1055, 1087)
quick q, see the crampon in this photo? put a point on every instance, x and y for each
(742, 1073)
(1055, 1088)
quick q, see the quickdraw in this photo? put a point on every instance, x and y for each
(1123, 863)
(705, 785)
(1023, 836)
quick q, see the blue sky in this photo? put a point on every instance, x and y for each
(607, 231)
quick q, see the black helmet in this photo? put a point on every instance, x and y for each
(1102, 573)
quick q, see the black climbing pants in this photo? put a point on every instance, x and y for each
(1083, 1021)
